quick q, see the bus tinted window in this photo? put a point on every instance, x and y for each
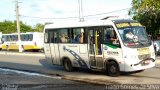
(53, 36)
(27, 37)
(30, 37)
(77, 35)
(16, 38)
(110, 36)
(22, 37)
(64, 37)
(4, 38)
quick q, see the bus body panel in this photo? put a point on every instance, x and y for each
(48, 54)
(125, 57)
(55, 54)
(77, 53)
(135, 56)
(38, 40)
(115, 53)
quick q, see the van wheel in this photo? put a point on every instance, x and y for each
(68, 65)
(41, 50)
(113, 69)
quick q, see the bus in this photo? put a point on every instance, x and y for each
(0, 40)
(29, 41)
(99, 45)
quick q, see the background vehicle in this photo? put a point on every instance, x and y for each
(103, 47)
(29, 41)
(0, 40)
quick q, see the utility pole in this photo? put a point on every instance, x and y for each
(18, 26)
(81, 19)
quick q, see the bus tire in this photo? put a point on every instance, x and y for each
(113, 69)
(68, 65)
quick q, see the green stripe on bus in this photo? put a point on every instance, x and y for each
(112, 46)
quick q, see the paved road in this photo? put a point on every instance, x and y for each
(37, 63)
(11, 80)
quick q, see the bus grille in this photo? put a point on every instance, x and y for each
(142, 57)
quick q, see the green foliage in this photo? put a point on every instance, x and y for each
(147, 12)
(25, 28)
(11, 27)
(7, 27)
(39, 27)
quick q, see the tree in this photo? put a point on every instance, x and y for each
(39, 27)
(25, 28)
(11, 27)
(7, 27)
(147, 12)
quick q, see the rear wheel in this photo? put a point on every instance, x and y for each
(68, 65)
(113, 69)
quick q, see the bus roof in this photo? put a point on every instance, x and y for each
(85, 23)
(78, 24)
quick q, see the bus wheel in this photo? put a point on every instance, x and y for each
(68, 65)
(113, 69)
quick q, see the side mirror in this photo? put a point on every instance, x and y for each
(150, 37)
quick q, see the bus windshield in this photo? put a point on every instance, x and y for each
(134, 36)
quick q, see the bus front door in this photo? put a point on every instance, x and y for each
(54, 47)
(95, 48)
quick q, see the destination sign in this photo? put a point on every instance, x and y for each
(135, 24)
(122, 25)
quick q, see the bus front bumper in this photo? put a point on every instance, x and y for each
(141, 65)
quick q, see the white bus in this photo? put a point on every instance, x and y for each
(29, 41)
(102, 45)
(0, 40)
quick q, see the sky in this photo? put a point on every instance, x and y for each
(43, 11)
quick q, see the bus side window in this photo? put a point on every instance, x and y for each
(78, 35)
(110, 36)
(63, 38)
(64, 35)
(53, 36)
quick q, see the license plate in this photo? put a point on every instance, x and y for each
(142, 51)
